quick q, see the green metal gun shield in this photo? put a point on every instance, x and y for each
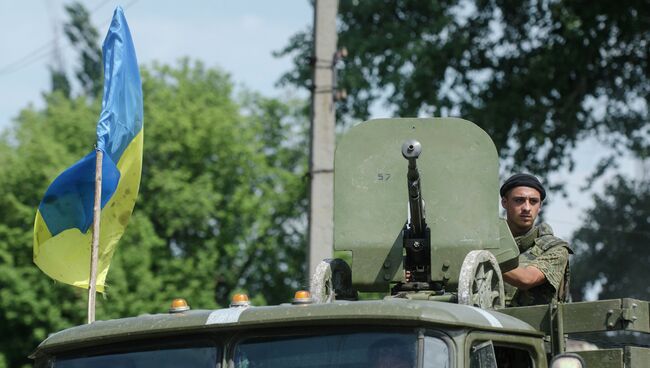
(459, 179)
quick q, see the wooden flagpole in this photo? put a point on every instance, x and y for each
(94, 251)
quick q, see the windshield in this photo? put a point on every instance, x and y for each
(196, 357)
(366, 349)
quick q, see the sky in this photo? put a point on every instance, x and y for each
(236, 36)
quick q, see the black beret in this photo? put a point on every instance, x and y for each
(522, 180)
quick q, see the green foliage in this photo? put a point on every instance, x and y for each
(85, 38)
(220, 207)
(60, 82)
(31, 306)
(538, 76)
(612, 245)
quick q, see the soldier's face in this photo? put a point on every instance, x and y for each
(522, 205)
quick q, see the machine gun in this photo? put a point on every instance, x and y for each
(416, 234)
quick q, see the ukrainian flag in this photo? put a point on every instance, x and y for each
(62, 229)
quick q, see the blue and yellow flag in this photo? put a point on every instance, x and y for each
(62, 229)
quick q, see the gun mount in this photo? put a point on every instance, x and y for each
(453, 165)
(416, 234)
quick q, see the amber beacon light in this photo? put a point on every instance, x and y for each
(302, 297)
(179, 305)
(240, 300)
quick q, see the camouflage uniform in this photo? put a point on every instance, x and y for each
(549, 254)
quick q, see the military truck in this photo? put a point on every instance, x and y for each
(416, 218)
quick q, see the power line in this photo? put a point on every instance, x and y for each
(99, 6)
(28, 59)
(48, 48)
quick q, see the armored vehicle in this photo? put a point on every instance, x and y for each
(416, 217)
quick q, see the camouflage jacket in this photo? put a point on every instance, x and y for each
(550, 254)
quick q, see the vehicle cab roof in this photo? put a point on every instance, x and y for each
(388, 312)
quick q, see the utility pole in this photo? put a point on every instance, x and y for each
(321, 163)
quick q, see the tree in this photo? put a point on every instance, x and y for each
(612, 246)
(232, 185)
(220, 206)
(59, 81)
(84, 37)
(538, 76)
(31, 306)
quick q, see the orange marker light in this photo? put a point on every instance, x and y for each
(179, 305)
(302, 294)
(240, 300)
(302, 297)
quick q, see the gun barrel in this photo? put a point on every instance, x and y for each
(411, 150)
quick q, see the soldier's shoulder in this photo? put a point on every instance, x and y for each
(546, 240)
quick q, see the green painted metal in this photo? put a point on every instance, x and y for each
(595, 316)
(604, 358)
(534, 346)
(637, 356)
(459, 178)
(390, 312)
(628, 356)
(558, 342)
(536, 316)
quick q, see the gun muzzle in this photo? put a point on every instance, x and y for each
(411, 150)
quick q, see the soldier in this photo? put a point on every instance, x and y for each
(543, 272)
